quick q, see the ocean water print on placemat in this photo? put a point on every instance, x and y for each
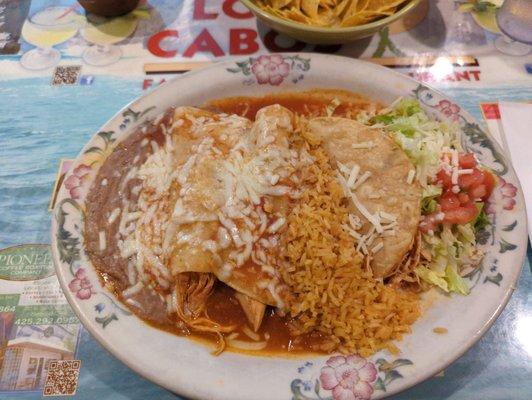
(56, 125)
(79, 126)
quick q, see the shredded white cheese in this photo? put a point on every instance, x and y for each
(223, 237)
(382, 223)
(273, 291)
(410, 177)
(377, 247)
(131, 273)
(374, 219)
(454, 157)
(276, 225)
(364, 145)
(387, 216)
(365, 176)
(130, 291)
(454, 177)
(114, 215)
(253, 161)
(101, 241)
(226, 271)
(353, 176)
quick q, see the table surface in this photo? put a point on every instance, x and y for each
(443, 47)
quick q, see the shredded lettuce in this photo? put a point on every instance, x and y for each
(382, 119)
(421, 137)
(433, 277)
(428, 202)
(448, 281)
(407, 107)
(455, 282)
(482, 219)
(428, 205)
(450, 248)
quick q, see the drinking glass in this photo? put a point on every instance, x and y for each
(515, 22)
(104, 33)
(45, 29)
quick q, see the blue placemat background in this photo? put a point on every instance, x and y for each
(40, 124)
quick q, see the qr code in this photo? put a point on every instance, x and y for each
(62, 378)
(66, 75)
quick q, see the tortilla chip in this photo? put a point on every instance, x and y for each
(280, 3)
(296, 15)
(380, 5)
(331, 13)
(343, 6)
(356, 19)
(328, 4)
(328, 18)
(360, 5)
(310, 7)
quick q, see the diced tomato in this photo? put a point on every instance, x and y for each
(460, 208)
(463, 197)
(479, 185)
(468, 180)
(461, 215)
(478, 192)
(449, 201)
(467, 160)
(444, 178)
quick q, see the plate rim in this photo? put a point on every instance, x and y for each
(456, 353)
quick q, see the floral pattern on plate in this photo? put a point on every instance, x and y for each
(349, 377)
(272, 69)
(336, 377)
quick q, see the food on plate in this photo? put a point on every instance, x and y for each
(455, 189)
(382, 167)
(332, 13)
(305, 221)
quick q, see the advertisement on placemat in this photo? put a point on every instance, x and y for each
(445, 43)
(37, 326)
(12, 16)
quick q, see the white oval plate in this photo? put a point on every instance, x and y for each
(188, 368)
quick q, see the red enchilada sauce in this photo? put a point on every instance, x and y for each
(222, 306)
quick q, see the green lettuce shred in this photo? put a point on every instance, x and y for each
(433, 277)
(455, 282)
(423, 139)
(482, 219)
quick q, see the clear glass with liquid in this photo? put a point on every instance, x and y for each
(104, 33)
(515, 22)
(45, 29)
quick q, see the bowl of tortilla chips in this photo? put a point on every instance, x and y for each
(329, 21)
